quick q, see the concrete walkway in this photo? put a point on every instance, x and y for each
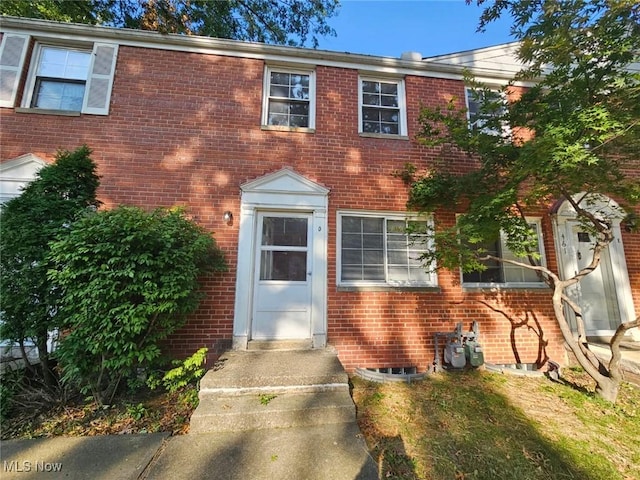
(236, 432)
(329, 452)
(316, 452)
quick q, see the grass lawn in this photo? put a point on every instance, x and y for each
(483, 425)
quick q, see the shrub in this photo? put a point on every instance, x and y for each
(186, 372)
(29, 223)
(128, 279)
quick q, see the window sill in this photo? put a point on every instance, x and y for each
(288, 129)
(388, 288)
(492, 287)
(386, 136)
(44, 111)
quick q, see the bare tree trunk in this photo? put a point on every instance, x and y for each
(615, 371)
(606, 386)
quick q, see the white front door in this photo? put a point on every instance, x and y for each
(282, 285)
(596, 292)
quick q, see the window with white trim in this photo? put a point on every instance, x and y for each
(494, 106)
(501, 273)
(62, 78)
(382, 107)
(376, 249)
(289, 99)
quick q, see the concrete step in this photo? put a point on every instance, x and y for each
(224, 413)
(251, 390)
(271, 345)
(243, 372)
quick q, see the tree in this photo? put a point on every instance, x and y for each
(127, 280)
(28, 223)
(573, 136)
(284, 22)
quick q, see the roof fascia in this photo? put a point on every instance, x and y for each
(46, 29)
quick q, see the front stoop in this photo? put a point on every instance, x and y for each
(249, 390)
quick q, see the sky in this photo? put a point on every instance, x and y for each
(389, 27)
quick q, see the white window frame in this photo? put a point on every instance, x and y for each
(402, 106)
(99, 80)
(506, 128)
(431, 282)
(33, 73)
(543, 262)
(269, 69)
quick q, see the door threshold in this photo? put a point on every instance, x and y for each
(267, 345)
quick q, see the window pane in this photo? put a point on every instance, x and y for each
(279, 120)
(352, 257)
(373, 241)
(373, 257)
(371, 114)
(389, 101)
(276, 106)
(351, 272)
(369, 127)
(283, 265)
(283, 231)
(280, 91)
(399, 274)
(298, 121)
(58, 95)
(370, 87)
(350, 240)
(279, 78)
(374, 273)
(389, 128)
(64, 63)
(299, 108)
(389, 116)
(398, 257)
(389, 88)
(419, 274)
(368, 99)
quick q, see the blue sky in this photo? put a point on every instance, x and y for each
(390, 27)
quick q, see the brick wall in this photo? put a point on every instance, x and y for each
(190, 135)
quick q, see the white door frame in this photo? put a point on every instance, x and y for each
(288, 192)
(566, 252)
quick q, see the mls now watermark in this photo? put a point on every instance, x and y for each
(29, 466)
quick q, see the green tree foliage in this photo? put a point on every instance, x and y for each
(128, 279)
(284, 22)
(584, 113)
(28, 223)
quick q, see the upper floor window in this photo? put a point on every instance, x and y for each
(502, 273)
(482, 107)
(376, 249)
(60, 78)
(289, 99)
(382, 107)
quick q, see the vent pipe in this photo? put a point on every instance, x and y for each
(413, 56)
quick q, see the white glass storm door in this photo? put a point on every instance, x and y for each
(597, 295)
(282, 288)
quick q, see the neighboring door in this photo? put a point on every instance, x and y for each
(596, 293)
(282, 286)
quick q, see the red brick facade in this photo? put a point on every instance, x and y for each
(184, 128)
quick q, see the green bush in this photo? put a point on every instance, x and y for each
(185, 372)
(128, 279)
(28, 224)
